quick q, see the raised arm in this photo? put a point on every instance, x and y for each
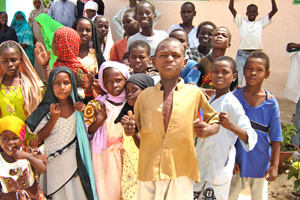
(274, 9)
(231, 8)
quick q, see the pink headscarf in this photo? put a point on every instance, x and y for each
(123, 69)
(99, 142)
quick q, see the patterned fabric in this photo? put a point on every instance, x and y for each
(37, 35)
(67, 47)
(22, 100)
(130, 166)
(24, 33)
(194, 54)
(17, 181)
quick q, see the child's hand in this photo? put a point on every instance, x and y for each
(89, 80)
(225, 120)
(79, 106)
(55, 111)
(201, 128)
(236, 168)
(128, 124)
(41, 54)
(96, 87)
(18, 155)
(101, 115)
(271, 173)
(207, 92)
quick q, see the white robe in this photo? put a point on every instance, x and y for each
(216, 155)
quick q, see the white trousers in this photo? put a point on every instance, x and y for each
(180, 188)
(258, 187)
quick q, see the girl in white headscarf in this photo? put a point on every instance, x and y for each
(90, 10)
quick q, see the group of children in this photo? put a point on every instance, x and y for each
(153, 135)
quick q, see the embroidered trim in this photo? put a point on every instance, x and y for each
(61, 151)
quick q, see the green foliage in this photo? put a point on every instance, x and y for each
(288, 130)
(47, 2)
(294, 171)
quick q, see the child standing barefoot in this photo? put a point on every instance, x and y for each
(20, 86)
(17, 165)
(70, 173)
(216, 156)
(108, 137)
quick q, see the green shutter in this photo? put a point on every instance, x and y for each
(2, 5)
(296, 1)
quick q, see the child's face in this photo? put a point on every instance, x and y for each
(182, 37)
(251, 13)
(169, 59)
(187, 13)
(130, 25)
(84, 29)
(205, 35)
(113, 81)
(145, 15)
(19, 17)
(62, 86)
(220, 39)
(132, 92)
(37, 4)
(255, 71)
(139, 59)
(90, 13)
(10, 61)
(102, 27)
(3, 19)
(10, 142)
(222, 75)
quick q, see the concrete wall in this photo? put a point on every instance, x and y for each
(284, 28)
(12, 6)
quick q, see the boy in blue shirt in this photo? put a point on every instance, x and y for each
(263, 112)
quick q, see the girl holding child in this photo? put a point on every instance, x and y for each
(20, 86)
(58, 124)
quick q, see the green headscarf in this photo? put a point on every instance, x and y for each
(48, 27)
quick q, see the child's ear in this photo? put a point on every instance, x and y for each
(154, 16)
(229, 44)
(153, 61)
(185, 62)
(195, 13)
(234, 77)
(267, 74)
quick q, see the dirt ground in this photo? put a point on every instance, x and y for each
(281, 188)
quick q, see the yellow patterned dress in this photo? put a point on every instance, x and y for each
(130, 165)
(12, 103)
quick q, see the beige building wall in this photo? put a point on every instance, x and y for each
(285, 28)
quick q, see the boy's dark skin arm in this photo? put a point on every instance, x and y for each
(273, 170)
(231, 8)
(274, 9)
(293, 45)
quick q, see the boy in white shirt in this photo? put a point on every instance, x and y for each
(250, 33)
